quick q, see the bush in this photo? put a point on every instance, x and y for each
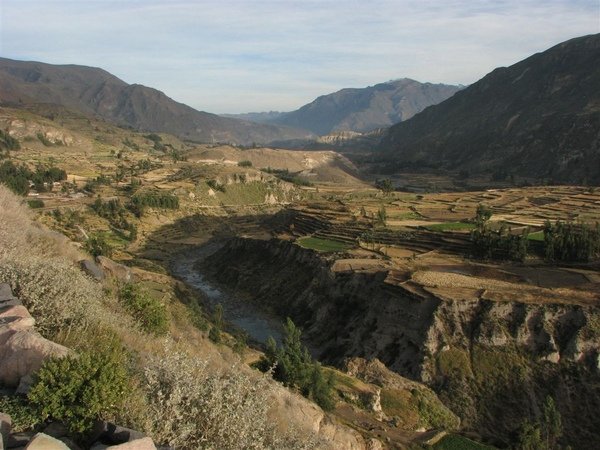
(149, 312)
(192, 409)
(97, 245)
(24, 416)
(244, 163)
(78, 390)
(8, 142)
(294, 367)
(35, 203)
(567, 241)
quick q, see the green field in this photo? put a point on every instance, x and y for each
(457, 442)
(537, 236)
(450, 226)
(323, 245)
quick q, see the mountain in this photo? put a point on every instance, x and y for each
(539, 118)
(96, 92)
(258, 117)
(366, 109)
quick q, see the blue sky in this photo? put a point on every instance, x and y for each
(260, 55)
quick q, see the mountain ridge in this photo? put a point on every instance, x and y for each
(539, 118)
(97, 92)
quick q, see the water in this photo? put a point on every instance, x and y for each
(238, 312)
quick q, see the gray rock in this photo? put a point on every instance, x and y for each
(16, 440)
(42, 441)
(92, 269)
(5, 427)
(70, 443)
(6, 292)
(138, 444)
(111, 434)
(116, 270)
(56, 430)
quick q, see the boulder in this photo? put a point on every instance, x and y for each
(116, 270)
(5, 428)
(137, 444)
(17, 440)
(56, 430)
(42, 441)
(5, 292)
(111, 434)
(92, 269)
(13, 319)
(23, 353)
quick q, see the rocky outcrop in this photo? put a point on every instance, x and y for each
(22, 349)
(469, 350)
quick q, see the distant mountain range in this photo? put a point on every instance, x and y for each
(538, 118)
(360, 109)
(94, 91)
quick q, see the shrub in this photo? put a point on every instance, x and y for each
(78, 390)
(97, 245)
(8, 142)
(244, 163)
(149, 312)
(192, 409)
(24, 416)
(35, 203)
(292, 364)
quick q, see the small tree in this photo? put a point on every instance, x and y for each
(78, 390)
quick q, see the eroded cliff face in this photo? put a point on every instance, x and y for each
(492, 362)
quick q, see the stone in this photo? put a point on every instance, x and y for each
(42, 441)
(137, 444)
(13, 319)
(92, 269)
(111, 434)
(5, 427)
(6, 292)
(70, 443)
(118, 271)
(56, 430)
(23, 353)
(16, 440)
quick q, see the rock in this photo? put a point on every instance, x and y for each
(6, 292)
(137, 444)
(56, 430)
(25, 384)
(23, 353)
(70, 443)
(118, 271)
(5, 426)
(374, 444)
(111, 434)
(42, 441)
(16, 440)
(92, 269)
(13, 319)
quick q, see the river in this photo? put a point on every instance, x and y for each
(241, 314)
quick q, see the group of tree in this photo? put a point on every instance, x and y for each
(19, 178)
(114, 211)
(152, 199)
(385, 185)
(291, 364)
(503, 244)
(8, 143)
(571, 242)
(544, 433)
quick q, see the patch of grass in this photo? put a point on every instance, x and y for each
(451, 226)
(457, 442)
(537, 236)
(454, 362)
(323, 245)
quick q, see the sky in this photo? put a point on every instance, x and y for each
(232, 56)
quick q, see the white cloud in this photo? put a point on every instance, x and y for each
(241, 55)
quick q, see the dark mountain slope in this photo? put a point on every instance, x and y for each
(363, 109)
(95, 91)
(538, 118)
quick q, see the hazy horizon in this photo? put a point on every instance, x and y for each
(277, 55)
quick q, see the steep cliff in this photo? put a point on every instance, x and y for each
(493, 362)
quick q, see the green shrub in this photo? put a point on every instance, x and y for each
(244, 163)
(35, 203)
(97, 245)
(8, 142)
(24, 416)
(78, 390)
(149, 312)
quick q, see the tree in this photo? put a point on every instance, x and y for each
(385, 185)
(482, 215)
(292, 364)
